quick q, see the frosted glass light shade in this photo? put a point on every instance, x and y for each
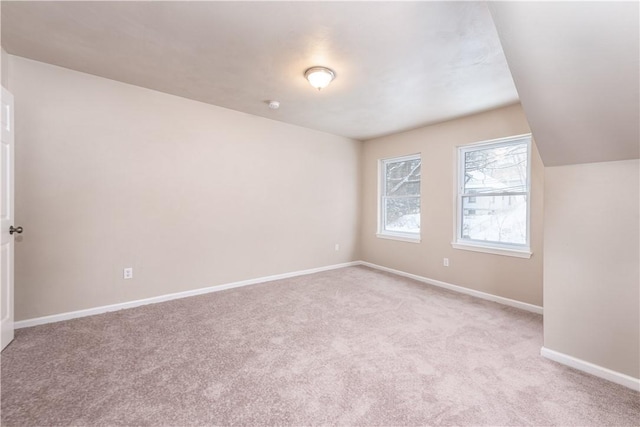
(319, 77)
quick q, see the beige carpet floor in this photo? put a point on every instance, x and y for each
(352, 346)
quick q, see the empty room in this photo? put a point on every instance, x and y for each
(320, 213)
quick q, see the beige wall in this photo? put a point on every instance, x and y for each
(188, 194)
(515, 278)
(4, 75)
(591, 251)
(4, 68)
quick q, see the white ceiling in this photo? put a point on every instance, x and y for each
(399, 65)
(577, 69)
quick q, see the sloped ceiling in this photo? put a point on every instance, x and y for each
(576, 68)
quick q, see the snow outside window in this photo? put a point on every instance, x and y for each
(400, 198)
(493, 195)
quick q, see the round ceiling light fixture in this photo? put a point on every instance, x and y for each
(319, 77)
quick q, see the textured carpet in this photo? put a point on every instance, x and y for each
(346, 347)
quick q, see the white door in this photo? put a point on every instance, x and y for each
(6, 219)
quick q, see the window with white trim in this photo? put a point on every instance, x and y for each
(399, 208)
(493, 196)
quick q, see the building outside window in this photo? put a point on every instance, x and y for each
(493, 195)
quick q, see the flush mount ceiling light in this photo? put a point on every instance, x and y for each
(319, 77)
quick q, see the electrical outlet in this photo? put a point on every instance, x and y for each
(337, 246)
(128, 273)
(445, 262)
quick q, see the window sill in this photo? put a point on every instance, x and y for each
(398, 237)
(518, 253)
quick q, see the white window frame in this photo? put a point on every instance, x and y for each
(382, 232)
(497, 248)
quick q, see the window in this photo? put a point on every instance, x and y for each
(399, 211)
(493, 197)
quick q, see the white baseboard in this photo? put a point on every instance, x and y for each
(573, 362)
(490, 297)
(590, 368)
(130, 304)
(598, 371)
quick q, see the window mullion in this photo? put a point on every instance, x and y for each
(495, 218)
(518, 193)
(399, 215)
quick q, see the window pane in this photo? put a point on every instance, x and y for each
(502, 168)
(500, 219)
(403, 214)
(403, 178)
